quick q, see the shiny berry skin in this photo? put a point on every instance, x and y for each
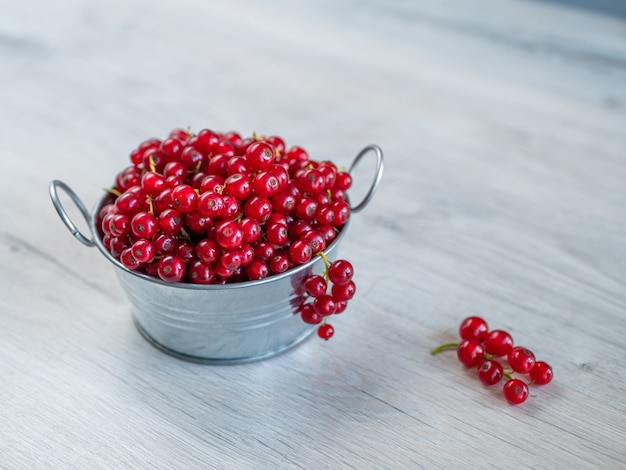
(171, 148)
(315, 239)
(190, 158)
(343, 291)
(176, 169)
(170, 221)
(257, 269)
(143, 250)
(131, 202)
(238, 186)
(277, 234)
(310, 316)
(197, 222)
(300, 252)
(490, 372)
(228, 234)
(128, 260)
(515, 391)
(171, 268)
(521, 359)
(231, 208)
(325, 331)
(266, 183)
(258, 207)
(252, 231)
(264, 251)
(343, 180)
(315, 286)
(164, 244)
(119, 225)
(208, 251)
(340, 272)
(279, 263)
(326, 216)
(324, 305)
(260, 156)
(212, 183)
(153, 183)
(283, 202)
(211, 204)
(184, 198)
(306, 208)
(498, 343)
(144, 225)
(311, 181)
(470, 352)
(473, 327)
(541, 373)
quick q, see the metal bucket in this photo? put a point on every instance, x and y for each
(216, 324)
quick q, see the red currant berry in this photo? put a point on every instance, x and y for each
(211, 204)
(283, 202)
(470, 352)
(186, 251)
(315, 286)
(144, 225)
(208, 251)
(176, 169)
(306, 208)
(515, 391)
(119, 225)
(164, 244)
(118, 245)
(264, 251)
(231, 208)
(340, 272)
(521, 359)
(297, 153)
(277, 234)
(343, 180)
(238, 186)
(197, 222)
(473, 327)
(340, 305)
(311, 181)
(279, 263)
(324, 305)
(131, 202)
(325, 331)
(251, 230)
(228, 234)
(171, 268)
(143, 250)
(211, 183)
(200, 273)
(190, 158)
(343, 291)
(490, 372)
(184, 198)
(260, 156)
(266, 183)
(170, 221)
(153, 183)
(541, 373)
(300, 252)
(258, 207)
(236, 165)
(171, 149)
(128, 260)
(315, 239)
(257, 269)
(498, 343)
(310, 316)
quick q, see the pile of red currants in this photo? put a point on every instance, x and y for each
(480, 348)
(216, 208)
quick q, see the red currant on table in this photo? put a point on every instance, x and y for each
(325, 331)
(498, 343)
(515, 391)
(479, 346)
(473, 327)
(490, 372)
(470, 352)
(521, 359)
(541, 373)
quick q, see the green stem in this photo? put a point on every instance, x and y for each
(443, 347)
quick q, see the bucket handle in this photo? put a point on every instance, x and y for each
(379, 173)
(54, 195)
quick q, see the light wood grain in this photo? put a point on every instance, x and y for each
(504, 130)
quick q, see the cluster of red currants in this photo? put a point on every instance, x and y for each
(338, 276)
(215, 208)
(479, 349)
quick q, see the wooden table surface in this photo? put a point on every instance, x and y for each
(503, 125)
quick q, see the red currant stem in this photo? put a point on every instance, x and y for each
(197, 168)
(113, 191)
(323, 256)
(184, 233)
(444, 347)
(150, 206)
(152, 164)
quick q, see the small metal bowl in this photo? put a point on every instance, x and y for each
(215, 324)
